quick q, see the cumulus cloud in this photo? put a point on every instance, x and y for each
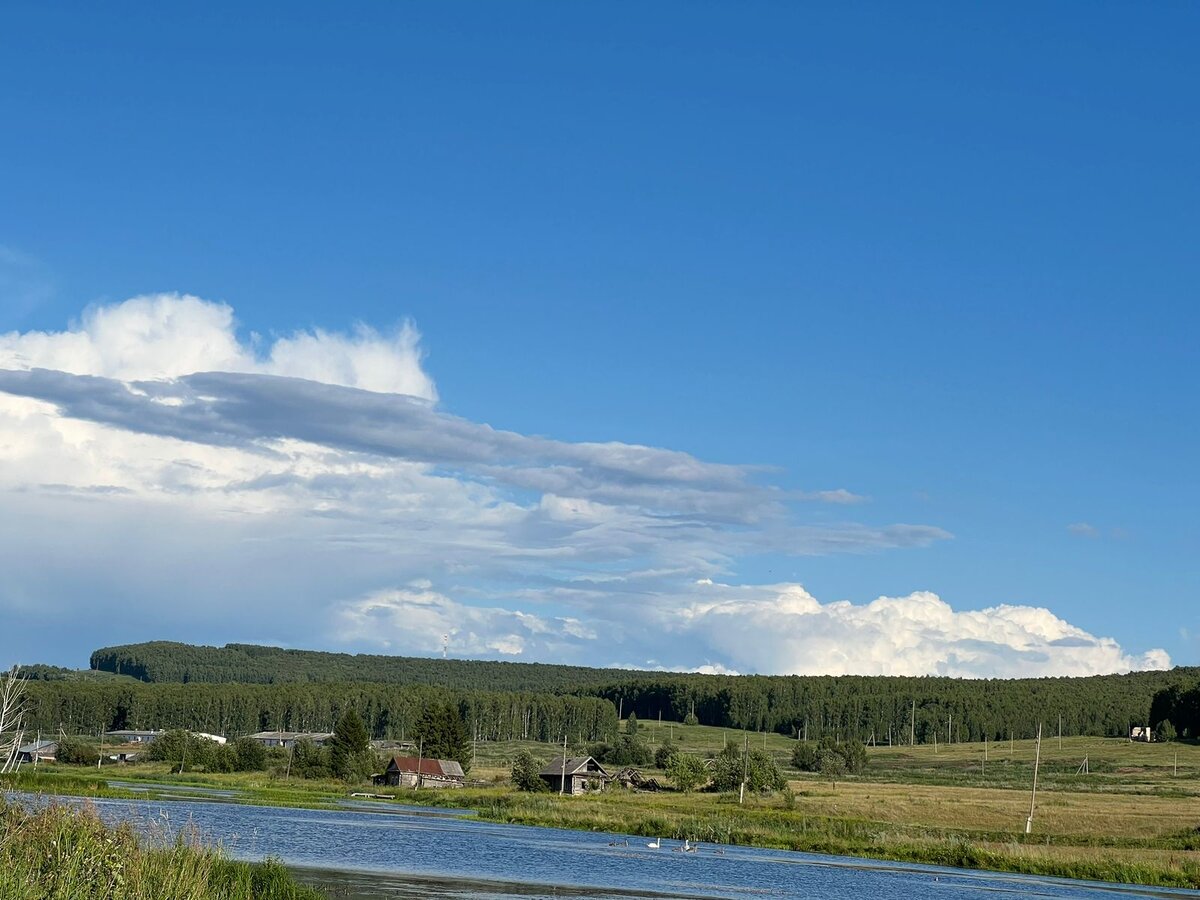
(161, 476)
(166, 335)
(1083, 529)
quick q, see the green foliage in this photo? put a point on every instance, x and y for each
(249, 755)
(631, 725)
(626, 750)
(443, 735)
(851, 757)
(1178, 706)
(525, 769)
(311, 688)
(350, 755)
(805, 756)
(662, 756)
(691, 718)
(686, 771)
(759, 769)
(310, 761)
(65, 853)
(76, 752)
(1165, 731)
(185, 750)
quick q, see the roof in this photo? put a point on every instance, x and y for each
(39, 747)
(576, 765)
(292, 735)
(436, 768)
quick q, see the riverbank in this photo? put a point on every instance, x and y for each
(60, 853)
(1130, 820)
(930, 825)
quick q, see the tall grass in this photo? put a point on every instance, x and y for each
(68, 853)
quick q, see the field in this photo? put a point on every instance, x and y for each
(1132, 816)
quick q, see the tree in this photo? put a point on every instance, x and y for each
(525, 773)
(1165, 731)
(631, 725)
(759, 769)
(12, 717)
(805, 756)
(686, 771)
(832, 765)
(350, 756)
(666, 750)
(250, 755)
(443, 734)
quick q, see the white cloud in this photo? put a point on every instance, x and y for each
(162, 477)
(1083, 529)
(168, 335)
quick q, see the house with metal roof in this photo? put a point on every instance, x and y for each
(416, 772)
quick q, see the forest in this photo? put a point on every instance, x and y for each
(387, 710)
(228, 687)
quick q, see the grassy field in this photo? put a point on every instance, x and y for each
(1132, 817)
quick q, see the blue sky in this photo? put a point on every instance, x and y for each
(943, 259)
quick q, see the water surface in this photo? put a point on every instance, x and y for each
(385, 850)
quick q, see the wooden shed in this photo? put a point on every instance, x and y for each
(575, 775)
(414, 772)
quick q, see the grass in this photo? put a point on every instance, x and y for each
(1130, 819)
(61, 853)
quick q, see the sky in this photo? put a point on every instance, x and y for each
(755, 337)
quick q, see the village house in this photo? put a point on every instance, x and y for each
(575, 775)
(38, 751)
(414, 772)
(289, 739)
(126, 736)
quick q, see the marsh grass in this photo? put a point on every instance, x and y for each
(68, 853)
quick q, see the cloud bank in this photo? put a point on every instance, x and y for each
(161, 475)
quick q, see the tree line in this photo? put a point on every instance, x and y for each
(388, 711)
(863, 708)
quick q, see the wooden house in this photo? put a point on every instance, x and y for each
(38, 751)
(415, 772)
(575, 775)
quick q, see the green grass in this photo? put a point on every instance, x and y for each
(61, 853)
(1130, 819)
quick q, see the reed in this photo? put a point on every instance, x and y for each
(68, 853)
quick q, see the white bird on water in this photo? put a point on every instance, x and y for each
(655, 844)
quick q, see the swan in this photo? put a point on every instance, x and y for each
(655, 844)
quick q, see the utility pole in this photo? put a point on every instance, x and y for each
(912, 732)
(1060, 731)
(1033, 795)
(562, 785)
(983, 768)
(420, 757)
(745, 770)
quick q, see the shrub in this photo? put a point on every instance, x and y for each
(525, 769)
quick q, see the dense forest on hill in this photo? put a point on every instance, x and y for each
(167, 661)
(881, 707)
(388, 710)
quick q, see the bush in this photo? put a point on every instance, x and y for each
(525, 769)
(760, 770)
(804, 757)
(249, 755)
(662, 756)
(686, 771)
(691, 718)
(75, 752)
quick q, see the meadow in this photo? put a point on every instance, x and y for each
(1131, 816)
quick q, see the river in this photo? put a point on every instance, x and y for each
(383, 850)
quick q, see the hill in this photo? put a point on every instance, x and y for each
(864, 707)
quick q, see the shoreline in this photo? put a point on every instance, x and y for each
(1127, 862)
